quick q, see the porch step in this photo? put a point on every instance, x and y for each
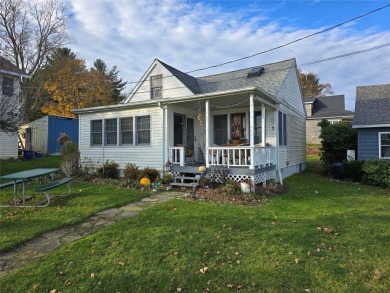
(186, 179)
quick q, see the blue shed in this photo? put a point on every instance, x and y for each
(41, 135)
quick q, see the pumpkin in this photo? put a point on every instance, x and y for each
(202, 168)
(145, 181)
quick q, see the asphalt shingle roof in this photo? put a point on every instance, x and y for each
(372, 105)
(328, 106)
(270, 80)
(8, 66)
(189, 81)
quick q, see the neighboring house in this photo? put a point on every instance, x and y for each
(10, 76)
(42, 134)
(331, 108)
(372, 120)
(249, 121)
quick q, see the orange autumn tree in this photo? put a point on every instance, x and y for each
(72, 86)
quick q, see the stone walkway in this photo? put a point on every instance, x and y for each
(44, 244)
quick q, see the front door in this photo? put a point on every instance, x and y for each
(184, 129)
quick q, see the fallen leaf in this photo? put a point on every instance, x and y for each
(36, 286)
(296, 260)
(230, 285)
(121, 263)
(239, 286)
(53, 291)
(67, 283)
(178, 290)
(92, 275)
(203, 270)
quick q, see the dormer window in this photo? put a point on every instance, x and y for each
(8, 86)
(156, 87)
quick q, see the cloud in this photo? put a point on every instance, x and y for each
(188, 36)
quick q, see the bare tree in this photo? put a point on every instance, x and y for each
(29, 31)
(9, 115)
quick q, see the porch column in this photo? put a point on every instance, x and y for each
(207, 117)
(207, 141)
(251, 120)
(262, 124)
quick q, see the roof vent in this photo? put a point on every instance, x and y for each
(255, 71)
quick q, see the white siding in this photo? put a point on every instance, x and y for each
(9, 142)
(39, 134)
(292, 104)
(171, 86)
(8, 146)
(141, 155)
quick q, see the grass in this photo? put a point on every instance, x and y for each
(18, 225)
(200, 247)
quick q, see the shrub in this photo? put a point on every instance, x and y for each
(336, 139)
(353, 170)
(109, 170)
(150, 173)
(232, 187)
(377, 172)
(131, 172)
(71, 157)
(168, 178)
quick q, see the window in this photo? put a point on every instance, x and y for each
(384, 145)
(143, 130)
(257, 127)
(8, 86)
(96, 132)
(110, 133)
(156, 87)
(126, 130)
(220, 129)
(282, 128)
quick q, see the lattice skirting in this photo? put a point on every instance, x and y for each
(258, 178)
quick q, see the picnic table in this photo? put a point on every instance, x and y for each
(24, 176)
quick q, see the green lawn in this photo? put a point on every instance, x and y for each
(17, 225)
(196, 246)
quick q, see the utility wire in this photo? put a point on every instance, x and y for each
(278, 47)
(275, 70)
(346, 54)
(292, 42)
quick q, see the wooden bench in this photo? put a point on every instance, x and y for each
(52, 185)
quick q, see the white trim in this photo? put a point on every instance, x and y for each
(380, 144)
(329, 117)
(167, 101)
(14, 73)
(371, 126)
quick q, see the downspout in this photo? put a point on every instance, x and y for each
(277, 144)
(163, 140)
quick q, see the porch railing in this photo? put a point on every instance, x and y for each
(177, 155)
(240, 156)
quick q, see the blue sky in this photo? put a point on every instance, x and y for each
(189, 34)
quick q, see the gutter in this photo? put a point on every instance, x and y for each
(371, 126)
(166, 101)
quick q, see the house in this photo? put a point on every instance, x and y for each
(372, 121)
(331, 108)
(10, 76)
(42, 134)
(249, 123)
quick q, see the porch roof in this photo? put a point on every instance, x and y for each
(230, 97)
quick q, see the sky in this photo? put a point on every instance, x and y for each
(194, 34)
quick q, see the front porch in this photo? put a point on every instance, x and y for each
(237, 163)
(237, 133)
